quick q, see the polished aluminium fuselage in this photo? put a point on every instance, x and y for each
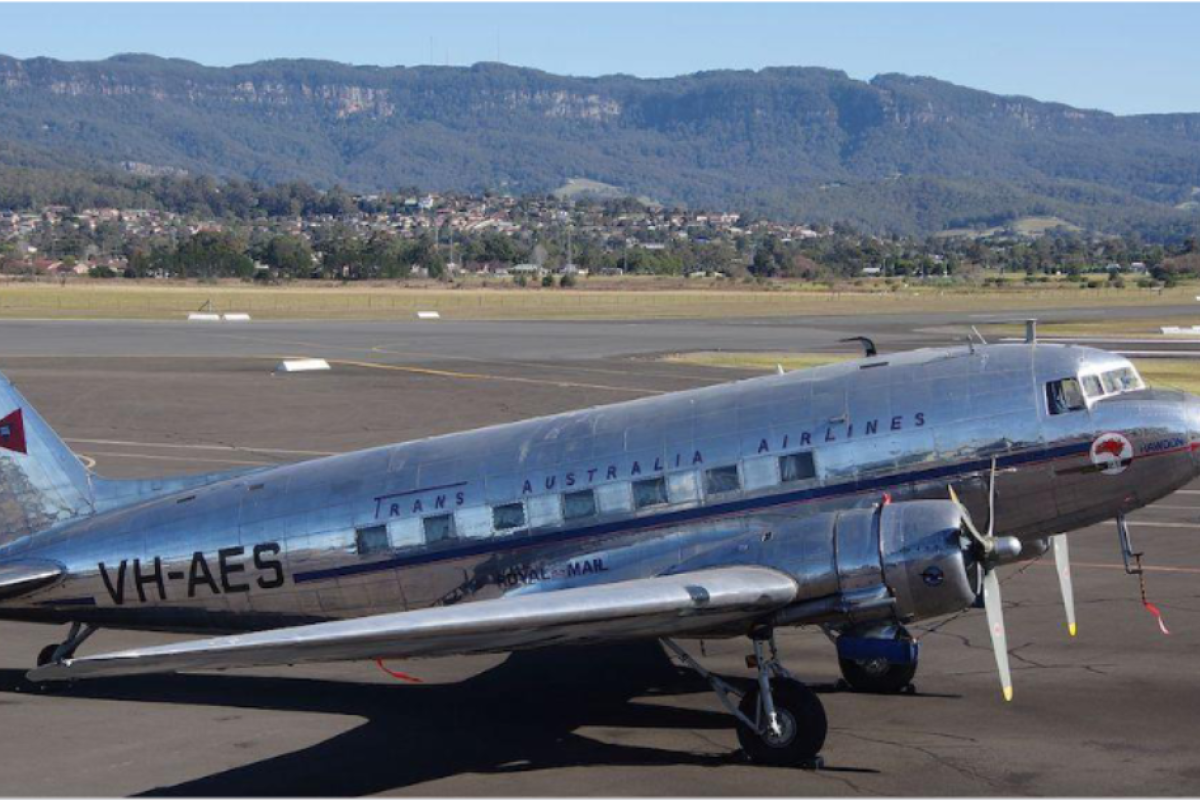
(343, 536)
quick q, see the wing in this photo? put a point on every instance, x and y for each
(21, 577)
(672, 605)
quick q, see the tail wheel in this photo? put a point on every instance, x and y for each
(877, 676)
(46, 654)
(802, 724)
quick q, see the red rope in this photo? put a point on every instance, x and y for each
(1153, 609)
(400, 676)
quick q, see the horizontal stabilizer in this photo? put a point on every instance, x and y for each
(21, 577)
(652, 607)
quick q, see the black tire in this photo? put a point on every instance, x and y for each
(877, 676)
(46, 654)
(802, 717)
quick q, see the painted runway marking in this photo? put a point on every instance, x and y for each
(1157, 507)
(439, 372)
(442, 373)
(385, 350)
(1145, 524)
(188, 459)
(1105, 339)
(1095, 565)
(212, 447)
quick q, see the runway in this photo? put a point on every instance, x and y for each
(1110, 712)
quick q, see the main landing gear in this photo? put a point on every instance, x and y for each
(781, 722)
(53, 653)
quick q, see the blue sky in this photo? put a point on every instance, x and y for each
(1126, 58)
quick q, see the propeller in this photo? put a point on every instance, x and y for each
(990, 551)
(995, 618)
(1062, 564)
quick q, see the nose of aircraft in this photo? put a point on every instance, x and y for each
(1192, 420)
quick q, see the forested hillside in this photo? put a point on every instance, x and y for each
(902, 154)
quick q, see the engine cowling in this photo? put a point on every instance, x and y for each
(896, 562)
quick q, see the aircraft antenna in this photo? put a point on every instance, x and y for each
(975, 331)
(869, 349)
(1031, 331)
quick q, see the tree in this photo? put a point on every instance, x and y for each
(212, 254)
(290, 255)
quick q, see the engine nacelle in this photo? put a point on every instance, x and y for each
(897, 562)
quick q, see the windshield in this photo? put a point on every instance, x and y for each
(1111, 382)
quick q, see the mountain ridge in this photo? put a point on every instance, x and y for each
(909, 154)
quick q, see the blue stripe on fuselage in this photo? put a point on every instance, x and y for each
(697, 514)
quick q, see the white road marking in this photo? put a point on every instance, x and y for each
(1160, 507)
(217, 447)
(1143, 524)
(188, 459)
(1107, 339)
(1148, 568)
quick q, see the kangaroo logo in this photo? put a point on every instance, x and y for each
(1112, 453)
(12, 433)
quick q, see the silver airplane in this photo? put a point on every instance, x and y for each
(842, 497)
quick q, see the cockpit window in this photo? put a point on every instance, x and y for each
(1113, 381)
(1125, 379)
(1064, 396)
(1092, 387)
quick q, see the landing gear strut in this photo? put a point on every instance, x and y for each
(53, 653)
(781, 722)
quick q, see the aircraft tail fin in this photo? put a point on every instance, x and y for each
(41, 481)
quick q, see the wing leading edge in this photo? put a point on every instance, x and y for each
(670, 605)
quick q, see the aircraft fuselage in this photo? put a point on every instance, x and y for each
(623, 491)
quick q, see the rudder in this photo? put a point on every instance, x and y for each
(41, 481)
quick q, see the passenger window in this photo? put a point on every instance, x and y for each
(1065, 395)
(1092, 387)
(508, 517)
(577, 505)
(652, 492)
(797, 467)
(371, 540)
(405, 533)
(720, 480)
(439, 528)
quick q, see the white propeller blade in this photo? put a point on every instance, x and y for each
(995, 619)
(1062, 563)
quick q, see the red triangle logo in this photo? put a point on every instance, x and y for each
(12, 432)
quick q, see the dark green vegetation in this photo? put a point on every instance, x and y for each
(897, 154)
(606, 238)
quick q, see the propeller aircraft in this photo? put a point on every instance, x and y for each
(848, 497)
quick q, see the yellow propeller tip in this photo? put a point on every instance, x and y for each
(1071, 628)
(1008, 694)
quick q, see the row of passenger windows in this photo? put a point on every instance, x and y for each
(510, 518)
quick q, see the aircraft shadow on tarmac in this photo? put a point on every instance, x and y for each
(521, 715)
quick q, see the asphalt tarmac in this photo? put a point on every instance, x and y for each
(1110, 712)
